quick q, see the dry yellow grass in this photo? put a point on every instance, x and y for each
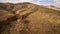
(5, 14)
(33, 19)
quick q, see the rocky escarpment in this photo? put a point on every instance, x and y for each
(28, 18)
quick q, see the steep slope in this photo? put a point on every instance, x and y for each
(6, 17)
(32, 19)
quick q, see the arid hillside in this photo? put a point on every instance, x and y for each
(28, 18)
(53, 7)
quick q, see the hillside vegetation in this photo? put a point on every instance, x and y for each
(28, 18)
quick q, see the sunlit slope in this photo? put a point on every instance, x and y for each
(45, 21)
(42, 20)
(32, 19)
